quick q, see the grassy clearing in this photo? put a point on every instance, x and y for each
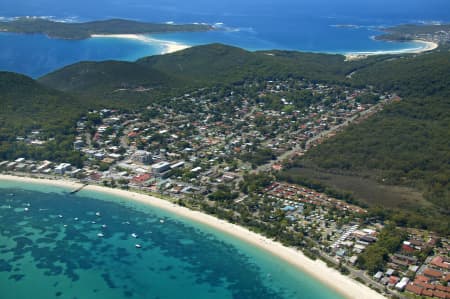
(366, 189)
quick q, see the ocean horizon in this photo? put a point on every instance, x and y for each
(345, 26)
(57, 245)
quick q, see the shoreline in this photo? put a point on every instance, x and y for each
(428, 46)
(169, 46)
(317, 269)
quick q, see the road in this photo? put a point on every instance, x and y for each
(324, 134)
(361, 275)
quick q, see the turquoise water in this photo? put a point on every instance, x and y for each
(50, 248)
(37, 54)
(304, 25)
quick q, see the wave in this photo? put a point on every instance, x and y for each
(72, 19)
(221, 26)
(355, 26)
(347, 26)
(432, 22)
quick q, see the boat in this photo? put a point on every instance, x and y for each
(162, 221)
(97, 214)
(104, 226)
(100, 235)
(134, 235)
(138, 246)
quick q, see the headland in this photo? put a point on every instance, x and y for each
(78, 31)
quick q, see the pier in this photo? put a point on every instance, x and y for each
(78, 189)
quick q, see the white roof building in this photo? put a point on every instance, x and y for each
(401, 285)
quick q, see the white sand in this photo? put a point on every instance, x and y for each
(169, 46)
(427, 46)
(318, 269)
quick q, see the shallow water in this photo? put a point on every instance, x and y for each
(255, 25)
(50, 248)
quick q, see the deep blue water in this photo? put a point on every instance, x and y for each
(254, 25)
(36, 55)
(50, 248)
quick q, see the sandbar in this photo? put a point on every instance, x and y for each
(169, 46)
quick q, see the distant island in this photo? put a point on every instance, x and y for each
(439, 34)
(86, 30)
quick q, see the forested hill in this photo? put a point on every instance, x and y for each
(107, 76)
(412, 75)
(199, 66)
(222, 63)
(85, 30)
(28, 106)
(407, 144)
(26, 103)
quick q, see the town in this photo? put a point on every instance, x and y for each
(219, 150)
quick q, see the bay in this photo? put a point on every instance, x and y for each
(254, 25)
(50, 247)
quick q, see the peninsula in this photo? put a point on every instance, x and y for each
(436, 33)
(85, 30)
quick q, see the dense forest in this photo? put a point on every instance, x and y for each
(85, 30)
(28, 106)
(408, 142)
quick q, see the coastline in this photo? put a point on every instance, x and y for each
(169, 46)
(316, 268)
(428, 46)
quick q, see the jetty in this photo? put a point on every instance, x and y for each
(78, 189)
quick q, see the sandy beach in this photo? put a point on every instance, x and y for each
(169, 46)
(427, 46)
(316, 268)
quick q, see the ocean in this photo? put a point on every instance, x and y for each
(57, 245)
(313, 26)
